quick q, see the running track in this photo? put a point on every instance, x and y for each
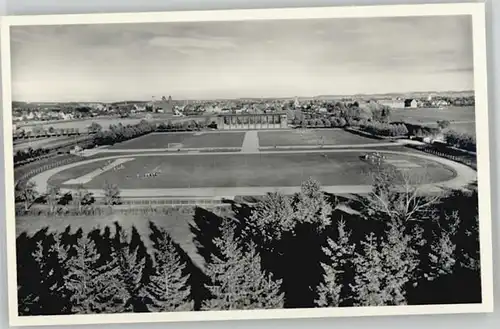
(464, 176)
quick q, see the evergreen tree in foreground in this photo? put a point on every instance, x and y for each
(262, 290)
(340, 253)
(385, 267)
(271, 218)
(168, 288)
(49, 296)
(91, 288)
(443, 256)
(370, 275)
(312, 206)
(238, 281)
(129, 268)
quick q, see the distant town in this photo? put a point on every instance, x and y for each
(31, 112)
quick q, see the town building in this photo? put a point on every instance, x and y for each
(164, 105)
(411, 103)
(393, 103)
(252, 121)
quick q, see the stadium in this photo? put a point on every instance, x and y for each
(210, 166)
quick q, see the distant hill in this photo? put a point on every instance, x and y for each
(418, 94)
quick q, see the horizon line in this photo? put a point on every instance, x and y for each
(255, 97)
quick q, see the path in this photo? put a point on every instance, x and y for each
(250, 142)
(464, 176)
(93, 174)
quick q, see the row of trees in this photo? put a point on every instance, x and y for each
(40, 131)
(186, 125)
(453, 101)
(331, 122)
(79, 202)
(385, 129)
(29, 155)
(119, 133)
(340, 116)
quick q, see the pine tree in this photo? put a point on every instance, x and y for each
(92, 289)
(225, 271)
(238, 281)
(263, 292)
(340, 253)
(400, 260)
(312, 206)
(50, 288)
(443, 256)
(82, 279)
(130, 271)
(370, 275)
(385, 267)
(168, 288)
(271, 218)
(471, 258)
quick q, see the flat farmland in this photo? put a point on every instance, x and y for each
(464, 127)
(461, 118)
(312, 137)
(188, 140)
(251, 170)
(81, 124)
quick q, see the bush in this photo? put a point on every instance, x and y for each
(384, 129)
(443, 124)
(421, 131)
(119, 133)
(461, 140)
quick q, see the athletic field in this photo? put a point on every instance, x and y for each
(184, 140)
(244, 170)
(312, 137)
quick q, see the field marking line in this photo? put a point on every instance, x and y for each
(93, 174)
(262, 148)
(464, 175)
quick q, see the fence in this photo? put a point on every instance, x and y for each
(63, 211)
(24, 174)
(171, 202)
(454, 155)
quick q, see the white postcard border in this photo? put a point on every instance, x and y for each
(476, 10)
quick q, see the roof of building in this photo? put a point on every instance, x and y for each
(248, 114)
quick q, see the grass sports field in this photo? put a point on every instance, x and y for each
(188, 140)
(235, 139)
(248, 170)
(312, 137)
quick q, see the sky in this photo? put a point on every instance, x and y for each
(275, 58)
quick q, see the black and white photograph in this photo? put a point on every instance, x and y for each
(280, 163)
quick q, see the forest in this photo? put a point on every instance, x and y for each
(310, 249)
